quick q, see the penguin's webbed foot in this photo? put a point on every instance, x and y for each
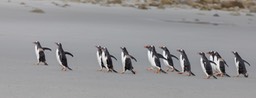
(246, 75)
(172, 70)
(150, 68)
(100, 69)
(134, 72)
(208, 77)
(36, 63)
(45, 63)
(167, 69)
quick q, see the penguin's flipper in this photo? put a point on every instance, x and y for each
(114, 70)
(225, 63)
(247, 63)
(214, 77)
(174, 57)
(227, 75)
(69, 53)
(176, 69)
(133, 71)
(133, 58)
(160, 56)
(212, 62)
(45, 48)
(192, 73)
(163, 71)
(113, 57)
(69, 68)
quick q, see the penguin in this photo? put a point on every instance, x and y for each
(213, 58)
(61, 57)
(149, 53)
(240, 64)
(221, 65)
(99, 57)
(206, 66)
(154, 59)
(107, 61)
(126, 60)
(169, 61)
(40, 55)
(184, 63)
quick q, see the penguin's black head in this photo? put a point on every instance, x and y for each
(163, 47)
(211, 52)
(148, 47)
(201, 53)
(103, 48)
(98, 47)
(58, 44)
(180, 50)
(36, 42)
(234, 52)
(124, 50)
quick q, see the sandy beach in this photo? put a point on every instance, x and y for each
(79, 27)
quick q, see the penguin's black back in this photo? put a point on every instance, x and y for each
(128, 64)
(41, 56)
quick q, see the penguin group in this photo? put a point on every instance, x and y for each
(104, 59)
(60, 55)
(214, 67)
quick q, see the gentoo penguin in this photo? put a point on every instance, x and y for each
(221, 65)
(149, 53)
(169, 61)
(126, 60)
(241, 69)
(184, 63)
(61, 57)
(206, 66)
(107, 61)
(213, 58)
(154, 58)
(40, 56)
(99, 57)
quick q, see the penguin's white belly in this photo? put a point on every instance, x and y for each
(218, 66)
(58, 57)
(98, 58)
(37, 53)
(237, 65)
(123, 59)
(104, 59)
(150, 58)
(182, 63)
(203, 67)
(214, 67)
(165, 61)
(154, 63)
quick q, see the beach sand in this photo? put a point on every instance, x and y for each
(79, 27)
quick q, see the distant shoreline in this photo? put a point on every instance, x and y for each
(225, 5)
